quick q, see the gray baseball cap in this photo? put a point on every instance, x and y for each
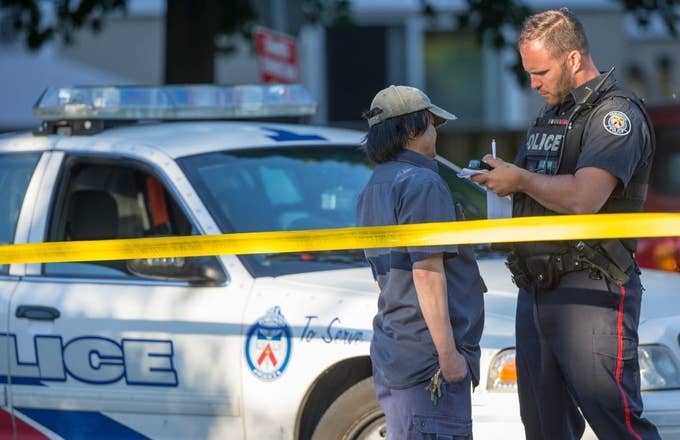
(401, 100)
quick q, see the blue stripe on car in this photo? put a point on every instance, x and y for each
(80, 424)
(20, 380)
(285, 135)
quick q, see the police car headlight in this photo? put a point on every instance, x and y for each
(658, 368)
(502, 372)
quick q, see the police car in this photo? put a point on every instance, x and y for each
(264, 346)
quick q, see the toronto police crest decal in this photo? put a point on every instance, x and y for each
(268, 345)
(617, 123)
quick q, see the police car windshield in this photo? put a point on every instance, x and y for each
(282, 189)
(293, 188)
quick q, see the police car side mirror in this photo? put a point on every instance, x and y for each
(199, 271)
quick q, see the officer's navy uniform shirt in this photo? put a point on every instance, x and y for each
(580, 338)
(620, 154)
(409, 190)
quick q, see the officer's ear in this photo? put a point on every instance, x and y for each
(574, 61)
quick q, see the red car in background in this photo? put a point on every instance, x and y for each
(664, 189)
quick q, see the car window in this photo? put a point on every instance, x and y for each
(15, 173)
(295, 188)
(105, 201)
(470, 196)
(280, 189)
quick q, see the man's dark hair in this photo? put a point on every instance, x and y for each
(384, 141)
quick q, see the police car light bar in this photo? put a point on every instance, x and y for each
(174, 102)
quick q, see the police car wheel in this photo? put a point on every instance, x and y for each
(355, 415)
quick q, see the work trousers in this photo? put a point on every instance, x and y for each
(411, 414)
(577, 349)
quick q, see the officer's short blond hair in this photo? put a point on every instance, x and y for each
(558, 29)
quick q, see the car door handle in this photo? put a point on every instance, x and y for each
(39, 313)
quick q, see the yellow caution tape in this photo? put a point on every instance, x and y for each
(524, 229)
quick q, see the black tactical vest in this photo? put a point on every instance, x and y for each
(553, 145)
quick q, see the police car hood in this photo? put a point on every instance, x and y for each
(354, 281)
(661, 297)
(660, 303)
(499, 304)
(360, 281)
(357, 284)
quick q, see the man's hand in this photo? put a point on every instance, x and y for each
(584, 192)
(503, 179)
(454, 367)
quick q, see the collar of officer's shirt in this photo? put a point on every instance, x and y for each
(418, 159)
(579, 93)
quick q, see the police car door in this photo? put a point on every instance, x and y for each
(20, 174)
(146, 348)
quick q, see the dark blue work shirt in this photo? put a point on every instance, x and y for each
(409, 190)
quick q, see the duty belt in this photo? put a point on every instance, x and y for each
(546, 270)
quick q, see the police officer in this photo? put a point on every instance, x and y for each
(590, 150)
(425, 347)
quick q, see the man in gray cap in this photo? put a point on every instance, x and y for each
(425, 347)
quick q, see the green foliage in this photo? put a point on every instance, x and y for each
(235, 17)
(337, 12)
(496, 22)
(28, 19)
(643, 9)
(492, 21)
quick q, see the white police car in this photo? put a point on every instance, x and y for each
(267, 346)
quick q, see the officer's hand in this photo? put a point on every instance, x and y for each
(503, 179)
(454, 367)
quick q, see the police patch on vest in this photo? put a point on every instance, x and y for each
(617, 123)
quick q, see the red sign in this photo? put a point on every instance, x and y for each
(277, 56)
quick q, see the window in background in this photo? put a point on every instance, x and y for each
(454, 75)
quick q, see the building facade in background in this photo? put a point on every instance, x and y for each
(389, 43)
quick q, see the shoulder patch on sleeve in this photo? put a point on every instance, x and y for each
(617, 123)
